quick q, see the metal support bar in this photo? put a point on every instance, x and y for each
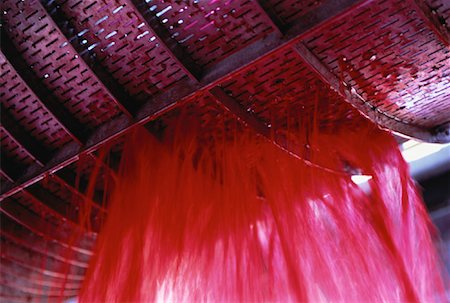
(107, 132)
(435, 22)
(167, 43)
(166, 101)
(43, 199)
(236, 109)
(74, 128)
(35, 150)
(350, 95)
(32, 146)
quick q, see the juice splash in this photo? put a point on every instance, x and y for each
(232, 218)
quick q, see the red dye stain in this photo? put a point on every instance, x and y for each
(235, 219)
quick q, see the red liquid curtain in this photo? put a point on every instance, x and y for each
(231, 218)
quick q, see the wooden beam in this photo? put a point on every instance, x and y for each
(39, 154)
(107, 132)
(237, 110)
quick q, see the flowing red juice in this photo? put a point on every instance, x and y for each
(232, 218)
